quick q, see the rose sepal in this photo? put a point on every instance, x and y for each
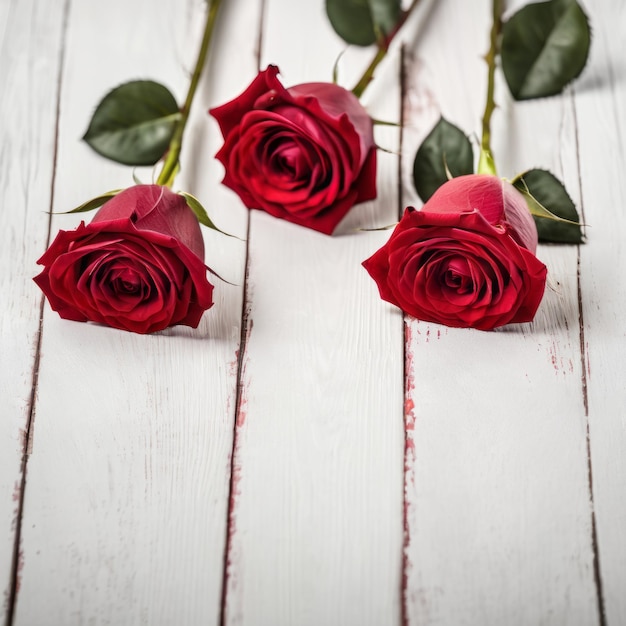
(94, 203)
(553, 210)
(486, 163)
(203, 217)
(534, 206)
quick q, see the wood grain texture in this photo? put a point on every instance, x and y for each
(499, 522)
(342, 465)
(30, 42)
(125, 513)
(600, 99)
(317, 491)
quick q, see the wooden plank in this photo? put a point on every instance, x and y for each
(316, 523)
(497, 489)
(125, 512)
(601, 115)
(30, 38)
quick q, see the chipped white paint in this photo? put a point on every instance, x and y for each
(487, 513)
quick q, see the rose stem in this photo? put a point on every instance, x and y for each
(170, 166)
(486, 163)
(383, 47)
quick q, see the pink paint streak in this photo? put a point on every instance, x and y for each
(18, 573)
(560, 364)
(230, 584)
(409, 461)
(233, 551)
(232, 374)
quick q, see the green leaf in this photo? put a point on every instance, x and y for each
(385, 15)
(200, 212)
(445, 152)
(133, 124)
(544, 47)
(363, 22)
(554, 212)
(94, 203)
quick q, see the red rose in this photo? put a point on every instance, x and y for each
(305, 154)
(138, 266)
(466, 259)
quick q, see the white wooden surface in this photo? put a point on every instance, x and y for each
(307, 456)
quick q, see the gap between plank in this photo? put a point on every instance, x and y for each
(246, 327)
(583, 363)
(16, 561)
(594, 530)
(407, 360)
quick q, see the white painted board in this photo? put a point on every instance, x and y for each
(600, 105)
(498, 511)
(316, 521)
(30, 44)
(124, 517)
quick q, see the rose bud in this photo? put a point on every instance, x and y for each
(138, 266)
(305, 154)
(467, 259)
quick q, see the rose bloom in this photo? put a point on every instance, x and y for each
(138, 266)
(305, 154)
(467, 259)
